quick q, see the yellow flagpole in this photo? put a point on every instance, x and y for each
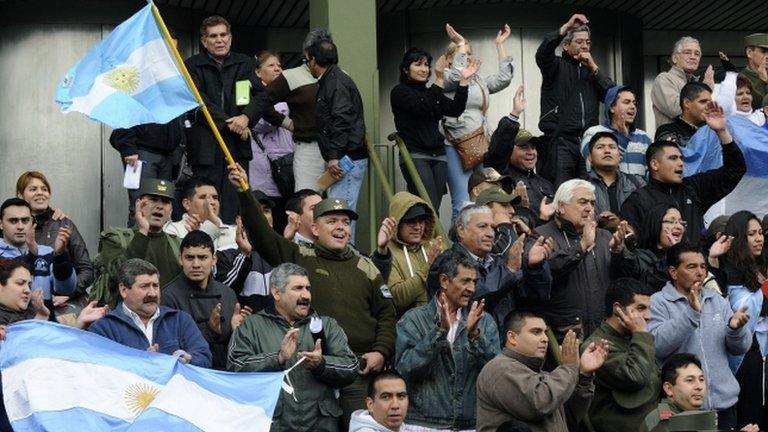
(168, 41)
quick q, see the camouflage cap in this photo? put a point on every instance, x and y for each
(757, 40)
(485, 175)
(333, 205)
(497, 195)
(523, 137)
(157, 187)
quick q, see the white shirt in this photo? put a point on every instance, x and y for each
(149, 328)
(223, 236)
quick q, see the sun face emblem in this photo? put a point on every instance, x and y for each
(124, 78)
(139, 396)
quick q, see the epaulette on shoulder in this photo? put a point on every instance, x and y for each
(367, 266)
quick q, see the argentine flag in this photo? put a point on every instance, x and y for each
(703, 152)
(129, 78)
(57, 378)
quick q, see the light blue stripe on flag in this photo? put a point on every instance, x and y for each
(60, 378)
(127, 79)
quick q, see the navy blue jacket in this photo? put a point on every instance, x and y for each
(173, 330)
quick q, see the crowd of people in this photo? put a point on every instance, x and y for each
(578, 288)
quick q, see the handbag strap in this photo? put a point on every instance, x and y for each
(261, 146)
(484, 106)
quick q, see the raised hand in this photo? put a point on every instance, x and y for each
(474, 317)
(593, 357)
(239, 315)
(142, 204)
(546, 210)
(472, 66)
(518, 102)
(569, 350)
(38, 304)
(709, 77)
(91, 313)
(445, 315)
(721, 246)
(236, 175)
(630, 319)
(739, 318)
(386, 230)
(31, 240)
(521, 189)
(62, 240)
(715, 116)
(694, 296)
(540, 251)
(154, 348)
(288, 346)
(214, 320)
(58, 214)
(241, 237)
(617, 240)
(515, 254)
(453, 35)
(588, 235)
(292, 226)
(586, 58)
(575, 21)
(192, 222)
(314, 358)
(434, 249)
(374, 362)
(503, 34)
(441, 64)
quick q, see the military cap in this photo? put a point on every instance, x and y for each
(333, 205)
(486, 175)
(524, 137)
(157, 187)
(497, 195)
(757, 40)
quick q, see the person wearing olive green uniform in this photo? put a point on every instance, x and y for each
(756, 47)
(627, 386)
(346, 286)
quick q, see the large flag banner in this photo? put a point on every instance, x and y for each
(703, 152)
(57, 378)
(129, 78)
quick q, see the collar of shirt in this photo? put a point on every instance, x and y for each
(485, 262)
(301, 240)
(148, 329)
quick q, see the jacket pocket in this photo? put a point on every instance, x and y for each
(330, 408)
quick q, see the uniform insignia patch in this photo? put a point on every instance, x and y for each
(385, 291)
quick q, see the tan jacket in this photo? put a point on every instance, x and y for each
(513, 387)
(665, 95)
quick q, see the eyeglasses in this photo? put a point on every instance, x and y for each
(675, 221)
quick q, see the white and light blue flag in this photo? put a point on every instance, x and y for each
(57, 378)
(703, 152)
(129, 78)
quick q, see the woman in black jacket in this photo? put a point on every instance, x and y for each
(34, 188)
(418, 109)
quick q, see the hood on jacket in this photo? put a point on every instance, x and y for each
(400, 203)
(362, 421)
(610, 98)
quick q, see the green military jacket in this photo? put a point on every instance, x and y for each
(254, 347)
(669, 417)
(627, 386)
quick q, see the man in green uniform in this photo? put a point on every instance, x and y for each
(756, 48)
(627, 386)
(685, 390)
(346, 286)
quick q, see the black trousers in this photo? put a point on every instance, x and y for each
(750, 407)
(560, 159)
(434, 175)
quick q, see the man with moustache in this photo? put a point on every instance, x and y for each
(693, 195)
(513, 386)
(620, 115)
(580, 262)
(140, 322)
(276, 338)
(572, 88)
(441, 348)
(349, 287)
(146, 240)
(688, 318)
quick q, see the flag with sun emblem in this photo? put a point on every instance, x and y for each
(60, 378)
(129, 78)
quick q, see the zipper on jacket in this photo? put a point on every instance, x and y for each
(554, 110)
(581, 100)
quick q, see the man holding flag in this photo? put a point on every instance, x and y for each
(236, 100)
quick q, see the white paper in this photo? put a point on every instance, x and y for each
(132, 177)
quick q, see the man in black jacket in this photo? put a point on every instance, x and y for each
(694, 99)
(236, 100)
(340, 123)
(693, 195)
(571, 91)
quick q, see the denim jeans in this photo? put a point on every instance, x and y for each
(458, 180)
(155, 165)
(348, 187)
(308, 165)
